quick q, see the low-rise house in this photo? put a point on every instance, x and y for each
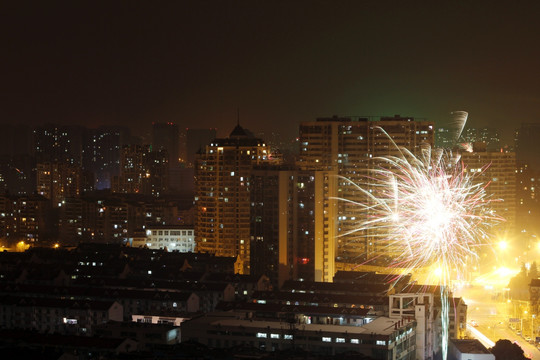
(145, 334)
(377, 304)
(63, 316)
(383, 338)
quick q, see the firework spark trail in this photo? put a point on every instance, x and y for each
(425, 210)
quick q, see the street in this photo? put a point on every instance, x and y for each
(488, 319)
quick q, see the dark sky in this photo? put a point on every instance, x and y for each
(280, 62)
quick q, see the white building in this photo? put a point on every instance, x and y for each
(179, 238)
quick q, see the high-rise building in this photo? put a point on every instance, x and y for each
(143, 171)
(165, 136)
(498, 171)
(60, 144)
(488, 136)
(351, 148)
(101, 153)
(26, 218)
(292, 237)
(222, 194)
(57, 181)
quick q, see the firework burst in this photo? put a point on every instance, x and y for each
(425, 211)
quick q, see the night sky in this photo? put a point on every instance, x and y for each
(280, 62)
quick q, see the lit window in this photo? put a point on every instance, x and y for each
(274, 336)
(355, 341)
(326, 339)
(262, 335)
(381, 342)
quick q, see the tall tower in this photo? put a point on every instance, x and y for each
(350, 147)
(222, 178)
(498, 169)
(165, 136)
(291, 237)
(101, 153)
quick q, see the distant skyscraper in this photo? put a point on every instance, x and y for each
(444, 138)
(101, 153)
(350, 148)
(222, 194)
(58, 143)
(165, 136)
(489, 136)
(142, 171)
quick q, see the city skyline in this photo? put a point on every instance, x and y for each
(280, 63)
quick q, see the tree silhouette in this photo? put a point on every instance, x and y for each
(507, 350)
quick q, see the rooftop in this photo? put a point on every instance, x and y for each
(470, 346)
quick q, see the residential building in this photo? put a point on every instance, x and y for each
(292, 235)
(45, 315)
(142, 171)
(382, 338)
(166, 136)
(352, 147)
(497, 171)
(101, 153)
(58, 181)
(58, 144)
(223, 185)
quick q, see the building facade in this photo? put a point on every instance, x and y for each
(172, 238)
(292, 235)
(222, 180)
(352, 148)
(496, 170)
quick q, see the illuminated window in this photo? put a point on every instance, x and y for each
(326, 339)
(262, 335)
